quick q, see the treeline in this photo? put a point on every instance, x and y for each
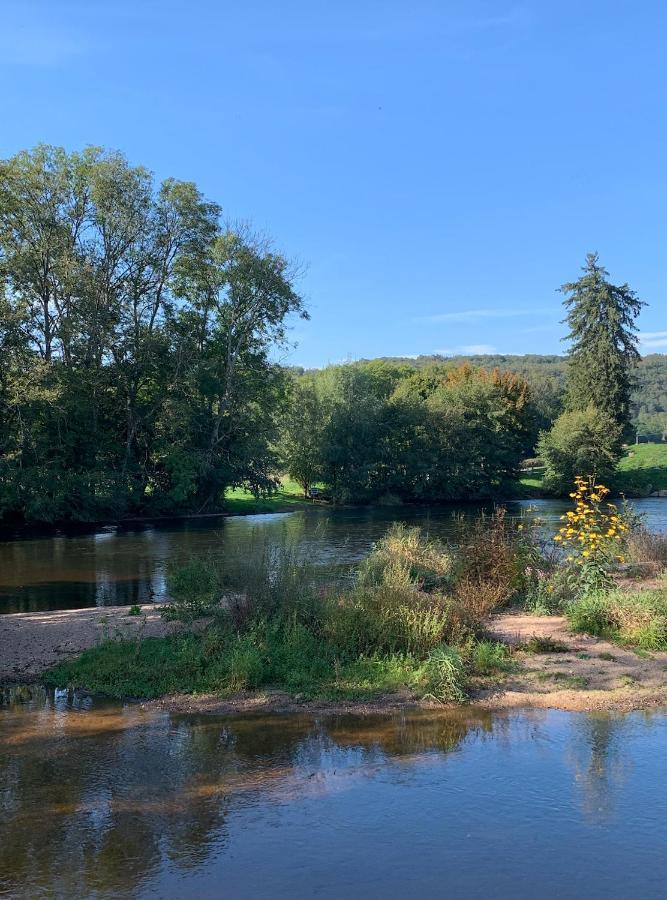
(374, 431)
(137, 333)
(135, 330)
(547, 377)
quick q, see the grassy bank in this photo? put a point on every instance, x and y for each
(288, 496)
(641, 470)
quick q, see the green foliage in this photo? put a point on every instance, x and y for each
(634, 618)
(372, 431)
(583, 441)
(272, 623)
(490, 657)
(135, 334)
(546, 376)
(603, 334)
(445, 675)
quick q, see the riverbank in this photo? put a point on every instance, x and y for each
(580, 672)
(31, 643)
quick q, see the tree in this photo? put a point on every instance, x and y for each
(601, 317)
(302, 433)
(136, 332)
(583, 442)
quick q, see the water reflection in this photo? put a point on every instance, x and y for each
(116, 566)
(106, 800)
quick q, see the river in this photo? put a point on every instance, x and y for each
(103, 800)
(121, 565)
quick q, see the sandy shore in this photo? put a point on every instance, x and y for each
(590, 674)
(30, 643)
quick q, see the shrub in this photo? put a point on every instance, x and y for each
(646, 549)
(405, 557)
(489, 657)
(584, 441)
(590, 615)
(496, 561)
(194, 590)
(445, 675)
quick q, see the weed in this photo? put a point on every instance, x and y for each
(134, 610)
(544, 644)
(445, 676)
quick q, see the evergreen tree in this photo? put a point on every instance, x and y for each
(603, 352)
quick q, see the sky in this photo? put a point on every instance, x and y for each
(435, 169)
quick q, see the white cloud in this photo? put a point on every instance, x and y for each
(652, 340)
(474, 315)
(468, 350)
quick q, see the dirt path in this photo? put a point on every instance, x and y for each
(32, 642)
(591, 674)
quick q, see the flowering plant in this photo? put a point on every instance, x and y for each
(592, 536)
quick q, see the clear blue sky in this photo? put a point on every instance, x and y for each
(439, 167)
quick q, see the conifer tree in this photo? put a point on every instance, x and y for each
(603, 334)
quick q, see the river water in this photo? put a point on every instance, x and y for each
(119, 565)
(119, 801)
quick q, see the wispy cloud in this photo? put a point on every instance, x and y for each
(652, 340)
(474, 315)
(468, 350)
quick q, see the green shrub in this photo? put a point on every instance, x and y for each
(405, 557)
(445, 675)
(583, 441)
(590, 615)
(490, 657)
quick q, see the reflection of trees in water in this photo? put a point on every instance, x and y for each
(599, 756)
(100, 800)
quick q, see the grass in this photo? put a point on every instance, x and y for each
(289, 495)
(544, 644)
(643, 469)
(636, 619)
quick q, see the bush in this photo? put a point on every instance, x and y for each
(489, 657)
(497, 561)
(582, 441)
(590, 615)
(445, 675)
(405, 557)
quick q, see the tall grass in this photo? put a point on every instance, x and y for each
(635, 618)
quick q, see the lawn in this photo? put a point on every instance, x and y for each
(643, 469)
(288, 496)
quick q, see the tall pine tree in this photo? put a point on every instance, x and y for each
(603, 352)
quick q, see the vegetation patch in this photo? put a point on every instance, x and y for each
(544, 644)
(269, 621)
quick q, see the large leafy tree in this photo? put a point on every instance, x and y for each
(603, 351)
(136, 334)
